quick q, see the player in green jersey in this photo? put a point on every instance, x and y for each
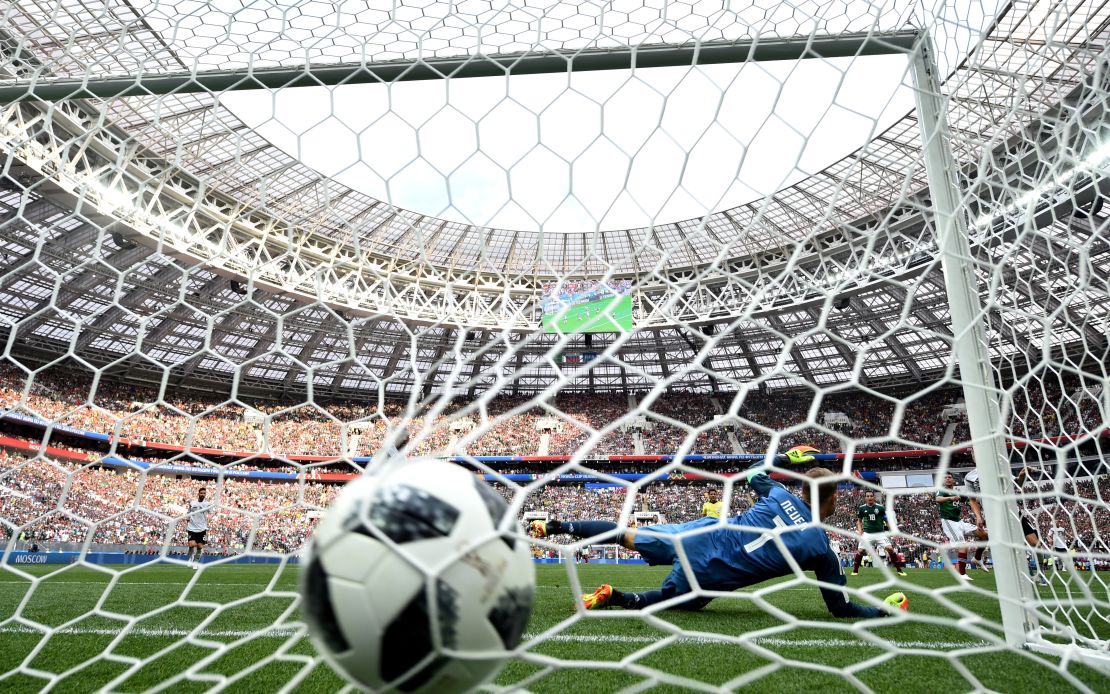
(872, 526)
(950, 507)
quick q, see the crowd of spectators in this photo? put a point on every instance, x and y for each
(48, 501)
(53, 501)
(57, 501)
(566, 423)
(674, 418)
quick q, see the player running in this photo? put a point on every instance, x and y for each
(712, 506)
(950, 507)
(197, 529)
(727, 558)
(872, 526)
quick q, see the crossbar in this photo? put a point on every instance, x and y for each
(499, 65)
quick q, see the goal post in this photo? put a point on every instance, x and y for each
(971, 352)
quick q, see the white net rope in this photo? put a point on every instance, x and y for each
(208, 283)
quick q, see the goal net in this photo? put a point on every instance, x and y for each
(609, 256)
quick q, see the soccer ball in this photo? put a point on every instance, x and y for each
(409, 585)
(801, 454)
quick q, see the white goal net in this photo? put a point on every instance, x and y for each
(609, 256)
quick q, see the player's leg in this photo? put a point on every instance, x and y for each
(656, 546)
(982, 565)
(981, 536)
(860, 550)
(191, 545)
(604, 531)
(1064, 563)
(1032, 537)
(969, 533)
(199, 550)
(882, 544)
(674, 585)
(955, 533)
(195, 541)
(899, 567)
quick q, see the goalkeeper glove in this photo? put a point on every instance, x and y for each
(898, 600)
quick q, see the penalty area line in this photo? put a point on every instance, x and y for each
(285, 631)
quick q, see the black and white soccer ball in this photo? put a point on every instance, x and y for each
(409, 585)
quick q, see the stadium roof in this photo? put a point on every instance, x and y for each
(81, 272)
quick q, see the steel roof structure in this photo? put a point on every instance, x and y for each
(227, 256)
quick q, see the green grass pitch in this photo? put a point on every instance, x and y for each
(613, 649)
(590, 317)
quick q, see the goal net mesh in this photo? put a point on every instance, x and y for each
(607, 255)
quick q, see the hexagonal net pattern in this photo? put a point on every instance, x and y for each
(683, 282)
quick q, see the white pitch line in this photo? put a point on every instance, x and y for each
(766, 641)
(147, 631)
(45, 580)
(292, 587)
(284, 631)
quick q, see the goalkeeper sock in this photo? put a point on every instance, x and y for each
(586, 528)
(636, 601)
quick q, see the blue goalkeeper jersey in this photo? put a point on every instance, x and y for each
(725, 559)
(756, 553)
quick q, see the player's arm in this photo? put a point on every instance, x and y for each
(761, 483)
(943, 499)
(829, 571)
(977, 509)
(859, 520)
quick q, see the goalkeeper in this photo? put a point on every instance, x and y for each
(727, 558)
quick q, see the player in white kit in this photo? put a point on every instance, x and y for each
(197, 529)
(1060, 546)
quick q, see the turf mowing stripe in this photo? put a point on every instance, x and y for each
(282, 631)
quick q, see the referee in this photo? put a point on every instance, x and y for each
(712, 506)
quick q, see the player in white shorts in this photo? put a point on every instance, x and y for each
(950, 507)
(872, 527)
(958, 531)
(197, 528)
(1060, 546)
(1028, 522)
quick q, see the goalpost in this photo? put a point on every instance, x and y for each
(962, 248)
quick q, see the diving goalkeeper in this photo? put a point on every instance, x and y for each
(729, 558)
